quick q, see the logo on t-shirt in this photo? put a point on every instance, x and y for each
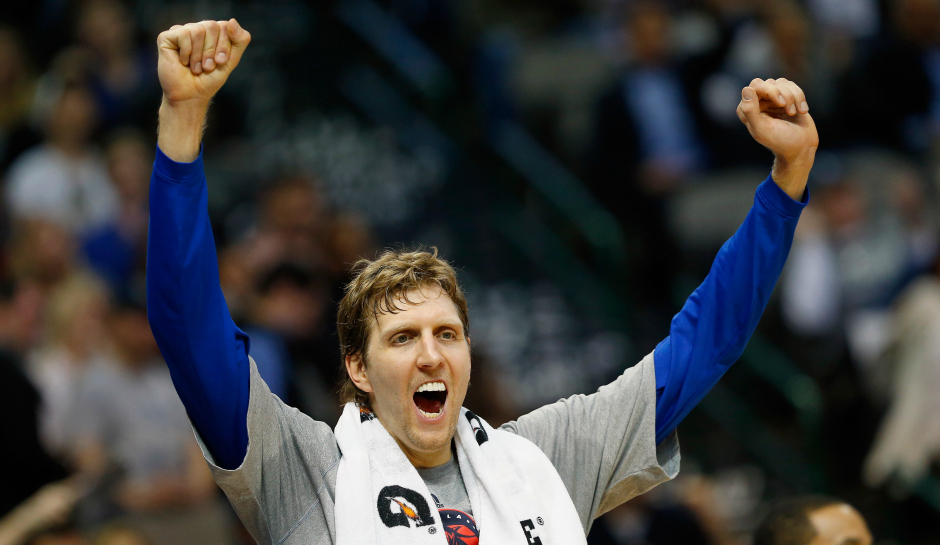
(400, 506)
(459, 527)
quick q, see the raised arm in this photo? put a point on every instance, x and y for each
(713, 327)
(603, 444)
(207, 355)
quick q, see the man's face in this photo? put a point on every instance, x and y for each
(839, 524)
(417, 373)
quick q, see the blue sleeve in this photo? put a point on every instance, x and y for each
(207, 355)
(713, 327)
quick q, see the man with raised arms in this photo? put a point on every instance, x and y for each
(407, 463)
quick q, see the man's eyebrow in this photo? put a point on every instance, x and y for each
(397, 326)
(851, 541)
(402, 326)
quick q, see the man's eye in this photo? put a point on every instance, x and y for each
(400, 339)
(448, 335)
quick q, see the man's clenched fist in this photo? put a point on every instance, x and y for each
(197, 58)
(777, 116)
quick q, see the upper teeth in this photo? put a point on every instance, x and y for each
(432, 387)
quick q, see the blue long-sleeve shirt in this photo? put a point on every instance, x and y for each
(713, 327)
(208, 355)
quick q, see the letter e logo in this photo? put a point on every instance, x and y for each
(530, 535)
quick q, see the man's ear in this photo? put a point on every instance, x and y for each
(356, 367)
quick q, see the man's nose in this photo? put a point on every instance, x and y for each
(430, 353)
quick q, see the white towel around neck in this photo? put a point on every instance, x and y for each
(516, 495)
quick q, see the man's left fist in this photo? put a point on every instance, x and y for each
(776, 114)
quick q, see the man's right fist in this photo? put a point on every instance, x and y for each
(196, 59)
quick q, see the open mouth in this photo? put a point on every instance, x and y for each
(430, 399)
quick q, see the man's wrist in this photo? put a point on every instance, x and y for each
(791, 174)
(181, 128)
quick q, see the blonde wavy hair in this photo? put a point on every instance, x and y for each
(379, 286)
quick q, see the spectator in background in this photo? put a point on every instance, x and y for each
(638, 522)
(854, 19)
(812, 287)
(288, 325)
(738, 54)
(122, 74)
(64, 180)
(291, 219)
(708, 509)
(36, 494)
(844, 30)
(41, 519)
(280, 281)
(849, 256)
(791, 35)
(813, 520)
(116, 250)
(28, 465)
(902, 75)
(870, 231)
(350, 238)
(42, 252)
(290, 229)
(73, 345)
(651, 105)
(645, 146)
(755, 38)
(851, 253)
(17, 88)
(908, 439)
(285, 308)
(127, 414)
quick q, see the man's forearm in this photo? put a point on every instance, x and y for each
(181, 128)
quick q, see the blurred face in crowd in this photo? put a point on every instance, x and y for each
(11, 60)
(422, 347)
(292, 209)
(919, 20)
(75, 315)
(790, 30)
(42, 251)
(290, 309)
(129, 164)
(130, 330)
(650, 30)
(106, 27)
(72, 119)
(349, 239)
(21, 318)
(844, 206)
(839, 524)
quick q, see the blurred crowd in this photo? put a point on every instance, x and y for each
(635, 97)
(98, 444)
